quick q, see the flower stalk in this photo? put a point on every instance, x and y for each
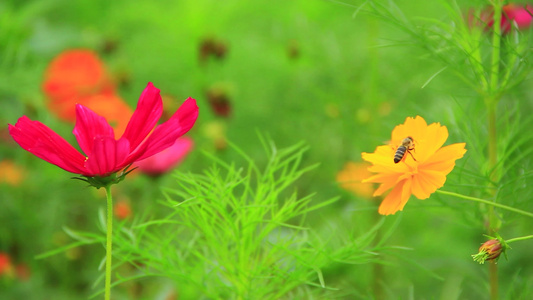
(491, 103)
(522, 238)
(490, 203)
(109, 242)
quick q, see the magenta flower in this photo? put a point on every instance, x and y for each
(515, 15)
(167, 159)
(519, 16)
(105, 155)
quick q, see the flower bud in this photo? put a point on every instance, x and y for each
(490, 250)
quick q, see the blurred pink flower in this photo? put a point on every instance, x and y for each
(514, 16)
(167, 159)
(517, 14)
(104, 155)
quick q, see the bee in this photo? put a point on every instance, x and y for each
(406, 146)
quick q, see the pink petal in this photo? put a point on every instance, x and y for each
(164, 135)
(88, 126)
(107, 156)
(148, 111)
(167, 159)
(44, 143)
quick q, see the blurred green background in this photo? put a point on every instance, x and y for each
(301, 70)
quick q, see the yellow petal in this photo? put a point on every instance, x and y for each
(385, 186)
(427, 182)
(413, 127)
(444, 159)
(396, 199)
(381, 155)
(383, 177)
(383, 161)
(427, 145)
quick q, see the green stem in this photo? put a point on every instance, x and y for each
(492, 204)
(495, 58)
(527, 237)
(491, 103)
(108, 249)
(492, 136)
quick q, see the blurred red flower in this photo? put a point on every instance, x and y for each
(167, 159)
(104, 154)
(6, 268)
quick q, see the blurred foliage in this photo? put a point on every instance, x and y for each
(322, 72)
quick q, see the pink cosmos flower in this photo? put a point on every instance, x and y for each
(167, 159)
(104, 154)
(514, 15)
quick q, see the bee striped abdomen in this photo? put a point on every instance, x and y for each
(399, 154)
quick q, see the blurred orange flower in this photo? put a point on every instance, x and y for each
(80, 77)
(75, 73)
(422, 169)
(10, 173)
(112, 108)
(351, 176)
(122, 210)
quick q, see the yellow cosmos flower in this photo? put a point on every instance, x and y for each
(422, 169)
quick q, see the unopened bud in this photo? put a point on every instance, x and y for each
(490, 250)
